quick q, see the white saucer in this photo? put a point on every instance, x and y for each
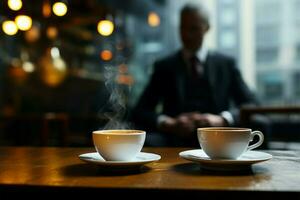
(243, 162)
(141, 159)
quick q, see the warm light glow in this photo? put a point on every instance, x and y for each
(23, 22)
(15, 4)
(51, 32)
(125, 79)
(16, 72)
(59, 64)
(28, 67)
(60, 9)
(53, 69)
(32, 34)
(46, 9)
(123, 68)
(153, 19)
(105, 27)
(9, 27)
(54, 52)
(106, 55)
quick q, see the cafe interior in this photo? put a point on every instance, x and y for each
(70, 69)
(61, 61)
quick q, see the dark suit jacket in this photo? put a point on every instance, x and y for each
(167, 86)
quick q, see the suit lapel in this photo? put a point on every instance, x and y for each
(180, 76)
(212, 77)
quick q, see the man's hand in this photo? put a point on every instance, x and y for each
(212, 120)
(207, 119)
(181, 125)
(187, 123)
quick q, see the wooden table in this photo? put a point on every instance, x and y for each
(38, 169)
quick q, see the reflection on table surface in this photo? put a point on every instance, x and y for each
(28, 168)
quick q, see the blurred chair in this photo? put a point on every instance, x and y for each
(82, 126)
(62, 120)
(21, 129)
(49, 129)
(282, 128)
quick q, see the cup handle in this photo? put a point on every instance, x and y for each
(260, 141)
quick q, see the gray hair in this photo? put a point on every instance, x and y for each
(196, 8)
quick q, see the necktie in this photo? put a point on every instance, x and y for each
(195, 67)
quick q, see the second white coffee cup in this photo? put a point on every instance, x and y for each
(119, 145)
(226, 142)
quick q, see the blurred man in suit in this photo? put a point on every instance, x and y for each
(194, 87)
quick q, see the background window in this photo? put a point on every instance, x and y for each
(228, 40)
(266, 55)
(271, 86)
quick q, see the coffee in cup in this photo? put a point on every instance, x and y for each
(119, 145)
(227, 142)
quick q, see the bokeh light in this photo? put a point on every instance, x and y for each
(14, 4)
(125, 79)
(28, 67)
(106, 55)
(23, 22)
(52, 67)
(59, 9)
(9, 27)
(32, 34)
(52, 32)
(153, 19)
(105, 27)
(46, 9)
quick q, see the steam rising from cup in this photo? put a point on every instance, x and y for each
(115, 109)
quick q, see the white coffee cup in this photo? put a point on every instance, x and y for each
(227, 142)
(119, 145)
